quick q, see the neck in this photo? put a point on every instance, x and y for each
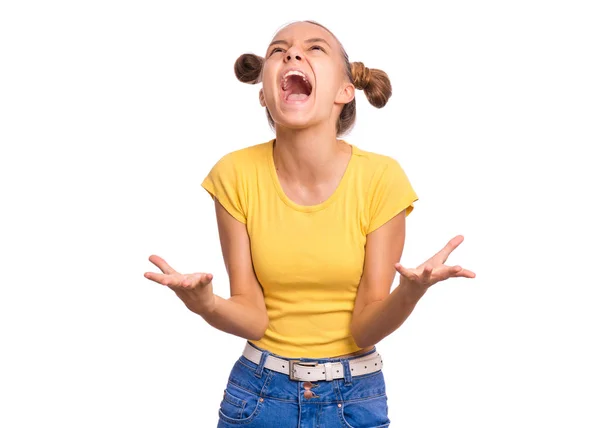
(306, 155)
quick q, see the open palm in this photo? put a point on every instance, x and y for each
(434, 270)
(194, 289)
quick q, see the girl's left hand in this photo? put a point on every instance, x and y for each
(433, 270)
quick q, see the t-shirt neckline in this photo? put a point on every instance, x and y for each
(308, 208)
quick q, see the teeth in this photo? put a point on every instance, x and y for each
(293, 73)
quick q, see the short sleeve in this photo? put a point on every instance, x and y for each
(224, 182)
(390, 194)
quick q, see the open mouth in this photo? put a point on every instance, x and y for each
(295, 86)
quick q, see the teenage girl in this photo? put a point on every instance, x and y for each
(311, 229)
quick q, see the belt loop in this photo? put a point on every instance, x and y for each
(328, 371)
(261, 364)
(347, 373)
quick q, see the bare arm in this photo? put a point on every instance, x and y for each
(244, 314)
(377, 313)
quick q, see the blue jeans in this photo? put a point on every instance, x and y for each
(257, 397)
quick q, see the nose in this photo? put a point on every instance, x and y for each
(293, 53)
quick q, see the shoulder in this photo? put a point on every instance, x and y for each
(228, 179)
(246, 156)
(240, 165)
(383, 175)
(388, 189)
(374, 165)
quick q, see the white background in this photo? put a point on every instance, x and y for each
(112, 113)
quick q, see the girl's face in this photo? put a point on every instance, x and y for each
(304, 81)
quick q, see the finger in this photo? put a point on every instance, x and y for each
(455, 272)
(172, 281)
(406, 273)
(196, 280)
(162, 264)
(426, 275)
(442, 273)
(465, 273)
(205, 278)
(442, 255)
(156, 277)
(175, 280)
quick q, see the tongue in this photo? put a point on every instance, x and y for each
(296, 89)
(297, 97)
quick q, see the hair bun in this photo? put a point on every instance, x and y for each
(374, 82)
(248, 68)
(361, 75)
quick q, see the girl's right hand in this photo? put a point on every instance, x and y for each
(194, 289)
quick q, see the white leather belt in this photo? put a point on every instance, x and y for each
(311, 371)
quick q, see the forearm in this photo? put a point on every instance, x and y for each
(237, 316)
(379, 319)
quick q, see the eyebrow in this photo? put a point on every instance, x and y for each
(314, 40)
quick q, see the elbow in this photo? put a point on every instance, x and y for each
(362, 343)
(359, 338)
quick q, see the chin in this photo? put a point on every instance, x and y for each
(294, 115)
(293, 120)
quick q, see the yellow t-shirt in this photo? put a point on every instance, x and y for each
(309, 259)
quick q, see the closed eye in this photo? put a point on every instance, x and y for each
(317, 47)
(276, 50)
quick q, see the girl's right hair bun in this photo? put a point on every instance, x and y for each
(248, 68)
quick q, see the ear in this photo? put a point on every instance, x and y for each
(346, 93)
(261, 98)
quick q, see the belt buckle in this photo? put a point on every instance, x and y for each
(300, 363)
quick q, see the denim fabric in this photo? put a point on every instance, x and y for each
(259, 397)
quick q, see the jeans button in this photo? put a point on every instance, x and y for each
(309, 394)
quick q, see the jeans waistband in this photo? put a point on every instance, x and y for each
(318, 360)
